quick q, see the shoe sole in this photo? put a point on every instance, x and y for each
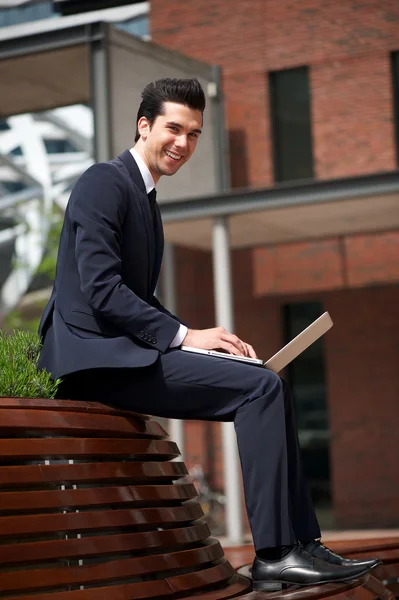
(277, 586)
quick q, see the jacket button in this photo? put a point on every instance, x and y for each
(153, 341)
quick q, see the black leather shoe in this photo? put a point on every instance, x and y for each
(317, 549)
(299, 568)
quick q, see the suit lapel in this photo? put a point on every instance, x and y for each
(135, 174)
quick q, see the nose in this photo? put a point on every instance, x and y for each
(181, 142)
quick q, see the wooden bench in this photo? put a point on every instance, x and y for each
(381, 583)
(91, 508)
(387, 549)
(366, 588)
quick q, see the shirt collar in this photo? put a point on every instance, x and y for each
(144, 171)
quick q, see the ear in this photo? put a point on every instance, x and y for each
(143, 127)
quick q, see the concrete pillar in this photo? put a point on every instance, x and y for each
(100, 102)
(169, 299)
(224, 317)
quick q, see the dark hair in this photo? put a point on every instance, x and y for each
(181, 91)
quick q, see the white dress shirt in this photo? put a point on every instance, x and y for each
(150, 185)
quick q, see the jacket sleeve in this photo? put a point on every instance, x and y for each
(97, 209)
(156, 303)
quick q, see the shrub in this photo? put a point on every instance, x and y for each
(19, 373)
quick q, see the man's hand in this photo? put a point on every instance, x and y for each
(218, 338)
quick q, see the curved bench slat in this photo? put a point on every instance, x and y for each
(69, 405)
(74, 448)
(65, 422)
(80, 548)
(347, 590)
(107, 472)
(93, 574)
(132, 591)
(218, 575)
(234, 588)
(352, 547)
(200, 579)
(149, 495)
(90, 521)
(92, 508)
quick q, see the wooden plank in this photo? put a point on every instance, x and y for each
(223, 572)
(234, 588)
(148, 495)
(90, 521)
(348, 547)
(80, 548)
(69, 422)
(338, 591)
(72, 448)
(67, 405)
(107, 472)
(129, 591)
(148, 589)
(94, 574)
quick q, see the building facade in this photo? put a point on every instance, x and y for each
(310, 92)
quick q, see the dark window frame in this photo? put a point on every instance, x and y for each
(395, 99)
(276, 138)
(290, 312)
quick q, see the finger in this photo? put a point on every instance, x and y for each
(230, 348)
(246, 353)
(234, 340)
(251, 351)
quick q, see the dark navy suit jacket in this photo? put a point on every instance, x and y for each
(102, 312)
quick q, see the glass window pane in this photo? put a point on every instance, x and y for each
(306, 377)
(11, 187)
(17, 151)
(291, 124)
(58, 146)
(138, 26)
(395, 88)
(26, 13)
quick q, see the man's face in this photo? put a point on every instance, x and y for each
(171, 140)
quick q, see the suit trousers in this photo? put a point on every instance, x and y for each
(182, 385)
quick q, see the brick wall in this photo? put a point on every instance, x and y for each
(335, 263)
(347, 46)
(362, 357)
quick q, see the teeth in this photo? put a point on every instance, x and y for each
(175, 156)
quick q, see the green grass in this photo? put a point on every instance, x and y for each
(20, 376)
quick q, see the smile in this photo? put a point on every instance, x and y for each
(171, 155)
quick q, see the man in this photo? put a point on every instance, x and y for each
(111, 340)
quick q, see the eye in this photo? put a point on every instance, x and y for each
(173, 128)
(193, 135)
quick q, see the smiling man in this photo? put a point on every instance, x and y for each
(110, 340)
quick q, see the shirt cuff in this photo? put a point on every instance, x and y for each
(179, 337)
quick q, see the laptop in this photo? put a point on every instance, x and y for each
(284, 356)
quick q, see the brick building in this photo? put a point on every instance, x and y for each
(309, 89)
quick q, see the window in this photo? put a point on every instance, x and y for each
(17, 151)
(12, 187)
(395, 88)
(26, 12)
(291, 124)
(306, 377)
(138, 26)
(58, 146)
